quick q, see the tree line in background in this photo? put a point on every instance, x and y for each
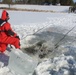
(40, 2)
(53, 2)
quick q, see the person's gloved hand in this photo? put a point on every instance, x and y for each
(17, 37)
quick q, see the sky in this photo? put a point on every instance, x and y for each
(49, 26)
(74, 0)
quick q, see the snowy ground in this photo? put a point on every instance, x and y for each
(55, 30)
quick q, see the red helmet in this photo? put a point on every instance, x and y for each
(5, 15)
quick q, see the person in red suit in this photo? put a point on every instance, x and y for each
(7, 35)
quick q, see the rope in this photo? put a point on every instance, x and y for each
(35, 32)
(56, 45)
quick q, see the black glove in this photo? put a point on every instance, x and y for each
(17, 37)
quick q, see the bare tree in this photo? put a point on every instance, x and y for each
(9, 2)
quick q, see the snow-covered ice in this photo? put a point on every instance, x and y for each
(50, 27)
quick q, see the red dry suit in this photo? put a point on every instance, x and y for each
(7, 35)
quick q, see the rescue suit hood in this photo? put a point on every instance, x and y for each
(5, 15)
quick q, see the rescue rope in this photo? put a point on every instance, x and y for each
(35, 32)
(56, 45)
